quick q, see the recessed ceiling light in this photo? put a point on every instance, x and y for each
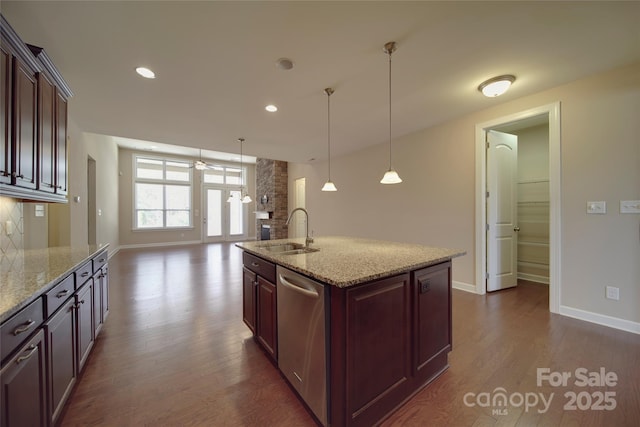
(284, 64)
(271, 108)
(146, 73)
(496, 86)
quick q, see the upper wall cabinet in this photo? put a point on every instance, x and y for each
(33, 155)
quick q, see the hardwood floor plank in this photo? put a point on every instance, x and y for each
(175, 352)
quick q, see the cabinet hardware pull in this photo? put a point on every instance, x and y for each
(20, 176)
(4, 173)
(85, 274)
(24, 328)
(59, 186)
(13, 174)
(62, 293)
(33, 349)
(255, 264)
(101, 260)
(81, 301)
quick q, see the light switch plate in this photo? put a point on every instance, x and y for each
(629, 206)
(597, 207)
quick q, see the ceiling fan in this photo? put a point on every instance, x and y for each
(201, 164)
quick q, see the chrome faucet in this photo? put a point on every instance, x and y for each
(308, 240)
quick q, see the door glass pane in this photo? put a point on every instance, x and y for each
(214, 212)
(235, 214)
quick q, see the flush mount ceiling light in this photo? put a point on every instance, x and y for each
(146, 73)
(244, 197)
(390, 176)
(496, 86)
(271, 108)
(329, 185)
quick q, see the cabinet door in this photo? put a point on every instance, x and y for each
(5, 116)
(47, 134)
(100, 298)
(24, 386)
(249, 298)
(432, 319)
(61, 145)
(25, 102)
(84, 303)
(267, 331)
(378, 345)
(61, 357)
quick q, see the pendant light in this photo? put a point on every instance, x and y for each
(244, 196)
(390, 176)
(329, 185)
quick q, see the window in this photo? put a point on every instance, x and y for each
(219, 174)
(162, 193)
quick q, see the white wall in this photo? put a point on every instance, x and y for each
(435, 203)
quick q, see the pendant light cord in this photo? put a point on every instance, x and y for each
(390, 163)
(329, 130)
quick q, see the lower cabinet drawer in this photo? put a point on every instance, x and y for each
(18, 328)
(59, 294)
(83, 274)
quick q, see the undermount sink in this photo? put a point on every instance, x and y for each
(288, 248)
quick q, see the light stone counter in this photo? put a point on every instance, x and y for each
(348, 261)
(29, 273)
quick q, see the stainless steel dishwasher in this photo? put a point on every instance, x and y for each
(302, 342)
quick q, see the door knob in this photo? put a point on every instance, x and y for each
(516, 228)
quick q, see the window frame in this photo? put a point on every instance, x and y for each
(164, 183)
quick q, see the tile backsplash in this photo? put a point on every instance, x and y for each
(11, 226)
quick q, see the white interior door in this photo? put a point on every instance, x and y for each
(222, 220)
(502, 241)
(299, 220)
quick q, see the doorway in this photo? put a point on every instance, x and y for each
(223, 221)
(92, 211)
(299, 201)
(548, 114)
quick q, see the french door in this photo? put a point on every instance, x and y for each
(222, 220)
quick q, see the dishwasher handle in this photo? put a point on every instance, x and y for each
(298, 288)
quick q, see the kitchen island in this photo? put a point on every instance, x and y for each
(384, 325)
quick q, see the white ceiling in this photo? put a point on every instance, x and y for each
(215, 64)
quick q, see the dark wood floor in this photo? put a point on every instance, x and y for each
(174, 352)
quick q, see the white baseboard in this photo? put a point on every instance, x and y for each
(160, 245)
(534, 278)
(463, 287)
(600, 319)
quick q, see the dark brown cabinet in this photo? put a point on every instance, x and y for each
(33, 160)
(24, 382)
(85, 328)
(432, 319)
(259, 307)
(101, 297)
(389, 338)
(41, 361)
(25, 133)
(62, 359)
(47, 138)
(6, 82)
(267, 323)
(249, 298)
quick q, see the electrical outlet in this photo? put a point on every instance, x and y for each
(629, 206)
(613, 293)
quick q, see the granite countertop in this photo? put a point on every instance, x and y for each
(348, 261)
(31, 272)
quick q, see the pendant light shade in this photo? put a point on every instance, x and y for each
(390, 176)
(329, 185)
